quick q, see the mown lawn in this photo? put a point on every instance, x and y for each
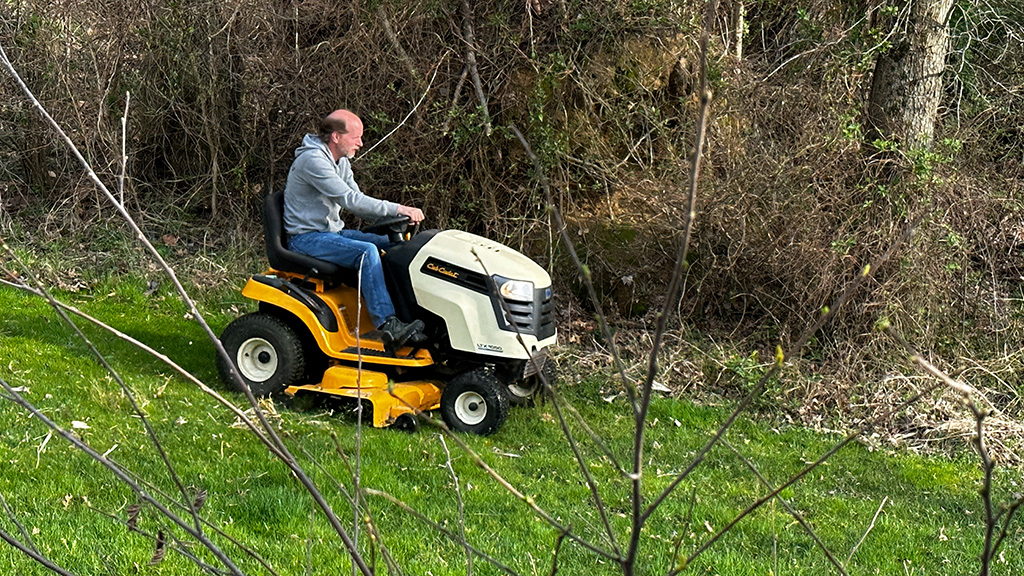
(930, 522)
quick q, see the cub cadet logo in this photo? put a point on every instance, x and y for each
(489, 347)
(443, 270)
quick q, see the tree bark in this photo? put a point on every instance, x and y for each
(907, 83)
(739, 12)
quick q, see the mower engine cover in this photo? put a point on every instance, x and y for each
(487, 294)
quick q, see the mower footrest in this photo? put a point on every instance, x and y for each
(382, 353)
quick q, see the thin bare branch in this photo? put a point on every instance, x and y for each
(580, 461)
(685, 530)
(555, 552)
(447, 533)
(591, 483)
(411, 112)
(286, 456)
(124, 147)
(789, 508)
(462, 508)
(102, 360)
(810, 467)
(559, 224)
(866, 532)
(357, 473)
(33, 554)
(638, 516)
(121, 475)
(594, 437)
(975, 402)
(238, 412)
(21, 528)
(371, 523)
(1008, 513)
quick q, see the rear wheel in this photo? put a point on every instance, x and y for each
(475, 401)
(265, 351)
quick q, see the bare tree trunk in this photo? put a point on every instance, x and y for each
(907, 83)
(470, 40)
(739, 13)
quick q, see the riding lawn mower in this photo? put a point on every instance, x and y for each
(487, 309)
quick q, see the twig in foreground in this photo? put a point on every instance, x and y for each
(33, 554)
(285, 456)
(241, 415)
(462, 508)
(448, 533)
(789, 508)
(973, 401)
(810, 467)
(21, 528)
(121, 475)
(866, 532)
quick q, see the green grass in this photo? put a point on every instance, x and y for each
(931, 522)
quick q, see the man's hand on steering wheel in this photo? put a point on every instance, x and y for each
(396, 228)
(415, 214)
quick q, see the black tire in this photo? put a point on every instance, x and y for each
(406, 423)
(266, 352)
(525, 392)
(475, 401)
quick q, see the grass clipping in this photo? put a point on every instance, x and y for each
(266, 406)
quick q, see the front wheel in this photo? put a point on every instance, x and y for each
(475, 401)
(524, 392)
(265, 351)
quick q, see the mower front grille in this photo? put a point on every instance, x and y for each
(535, 318)
(546, 316)
(521, 316)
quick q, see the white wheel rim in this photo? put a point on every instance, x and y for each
(470, 408)
(257, 360)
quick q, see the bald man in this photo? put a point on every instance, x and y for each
(320, 185)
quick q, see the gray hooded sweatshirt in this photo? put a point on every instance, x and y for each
(318, 188)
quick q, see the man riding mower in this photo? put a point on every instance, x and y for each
(464, 323)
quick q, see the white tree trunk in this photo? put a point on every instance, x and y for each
(739, 12)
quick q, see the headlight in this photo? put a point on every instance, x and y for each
(518, 290)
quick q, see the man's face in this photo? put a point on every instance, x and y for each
(351, 141)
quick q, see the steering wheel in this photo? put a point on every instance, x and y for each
(393, 227)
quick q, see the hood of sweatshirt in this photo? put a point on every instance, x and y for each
(313, 142)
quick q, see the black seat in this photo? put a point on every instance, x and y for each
(285, 260)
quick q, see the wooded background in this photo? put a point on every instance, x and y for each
(833, 125)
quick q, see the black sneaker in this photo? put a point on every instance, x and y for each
(394, 333)
(417, 338)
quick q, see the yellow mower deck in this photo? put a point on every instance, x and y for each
(390, 400)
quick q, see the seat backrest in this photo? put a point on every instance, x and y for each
(281, 258)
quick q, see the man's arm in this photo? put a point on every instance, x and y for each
(323, 176)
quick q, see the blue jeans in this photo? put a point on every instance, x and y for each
(347, 249)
